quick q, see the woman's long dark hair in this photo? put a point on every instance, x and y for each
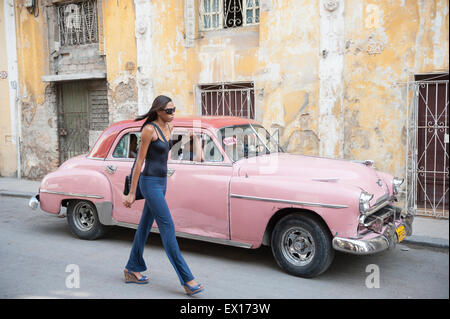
(158, 104)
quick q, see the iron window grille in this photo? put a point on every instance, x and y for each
(228, 99)
(78, 23)
(222, 14)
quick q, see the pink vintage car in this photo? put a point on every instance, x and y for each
(244, 191)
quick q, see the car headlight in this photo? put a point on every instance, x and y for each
(396, 183)
(364, 200)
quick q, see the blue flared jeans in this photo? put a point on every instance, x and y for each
(153, 188)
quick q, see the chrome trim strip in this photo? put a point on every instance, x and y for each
(383, 198)
(331, 179)
(120, 159)
(70, 194)
(170, 161)
(377, 207)
(265, 199)
(195, 237)
(185, 162)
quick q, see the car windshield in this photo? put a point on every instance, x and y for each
(247, 140)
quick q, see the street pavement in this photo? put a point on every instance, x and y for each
(426, 231)
(40, 258)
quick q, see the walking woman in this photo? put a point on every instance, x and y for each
(154, 150)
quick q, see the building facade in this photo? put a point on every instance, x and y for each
(334, 78)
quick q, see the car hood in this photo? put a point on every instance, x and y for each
(315, 169)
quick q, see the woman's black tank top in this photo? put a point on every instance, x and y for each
(157, 155)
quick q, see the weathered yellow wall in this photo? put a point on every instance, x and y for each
(38, 99)
(175, 68)
(281, 56)
(32, 56)
(8, 164)
(120, 49)
(289, 63)
(38, 123)
(414, 39)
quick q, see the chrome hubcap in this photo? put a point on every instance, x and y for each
(83, 216)
(298, 246)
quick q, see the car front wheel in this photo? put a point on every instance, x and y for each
(83, 220)
(302, 246)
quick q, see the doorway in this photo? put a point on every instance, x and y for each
(82, 111)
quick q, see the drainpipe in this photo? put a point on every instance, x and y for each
(18, 125)
(18, 132)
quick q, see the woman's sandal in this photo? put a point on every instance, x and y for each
(131, 278)
(192, 290)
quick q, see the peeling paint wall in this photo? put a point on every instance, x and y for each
(37, 100)
(115, 54)
(387, 42)
(279, 55)
(327, 74)
(8, 79)
(121, 58)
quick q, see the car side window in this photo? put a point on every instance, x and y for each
(180, 150)
(211, 152)
(128, 146)
(185, 151)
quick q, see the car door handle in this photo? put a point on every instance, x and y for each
(110, 168)
(170, 171)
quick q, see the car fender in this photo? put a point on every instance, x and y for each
(76, 183)
(255, 200)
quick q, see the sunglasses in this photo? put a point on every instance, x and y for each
(169, 110)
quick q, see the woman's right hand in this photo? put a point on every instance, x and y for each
(129, 200)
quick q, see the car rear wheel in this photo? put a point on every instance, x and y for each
(83, 220)
(302, 246)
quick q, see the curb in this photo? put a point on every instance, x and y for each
(414, 240)
(16, 194)
(427, 241)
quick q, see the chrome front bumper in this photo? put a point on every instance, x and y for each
(371, 244)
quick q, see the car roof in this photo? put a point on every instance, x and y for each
(106, 139)
(214, 122)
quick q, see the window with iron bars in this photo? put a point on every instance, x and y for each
(77, 23)
(228, 99)
(223, 14)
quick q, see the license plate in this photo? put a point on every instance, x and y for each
(401, 233)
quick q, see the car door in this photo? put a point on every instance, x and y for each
(117, 165)
(197, 191)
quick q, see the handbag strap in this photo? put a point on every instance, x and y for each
(132, 167)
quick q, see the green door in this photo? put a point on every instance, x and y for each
(73, 119)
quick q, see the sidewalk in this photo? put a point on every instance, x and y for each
(426, 231)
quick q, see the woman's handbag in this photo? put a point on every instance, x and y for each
(127, 186)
